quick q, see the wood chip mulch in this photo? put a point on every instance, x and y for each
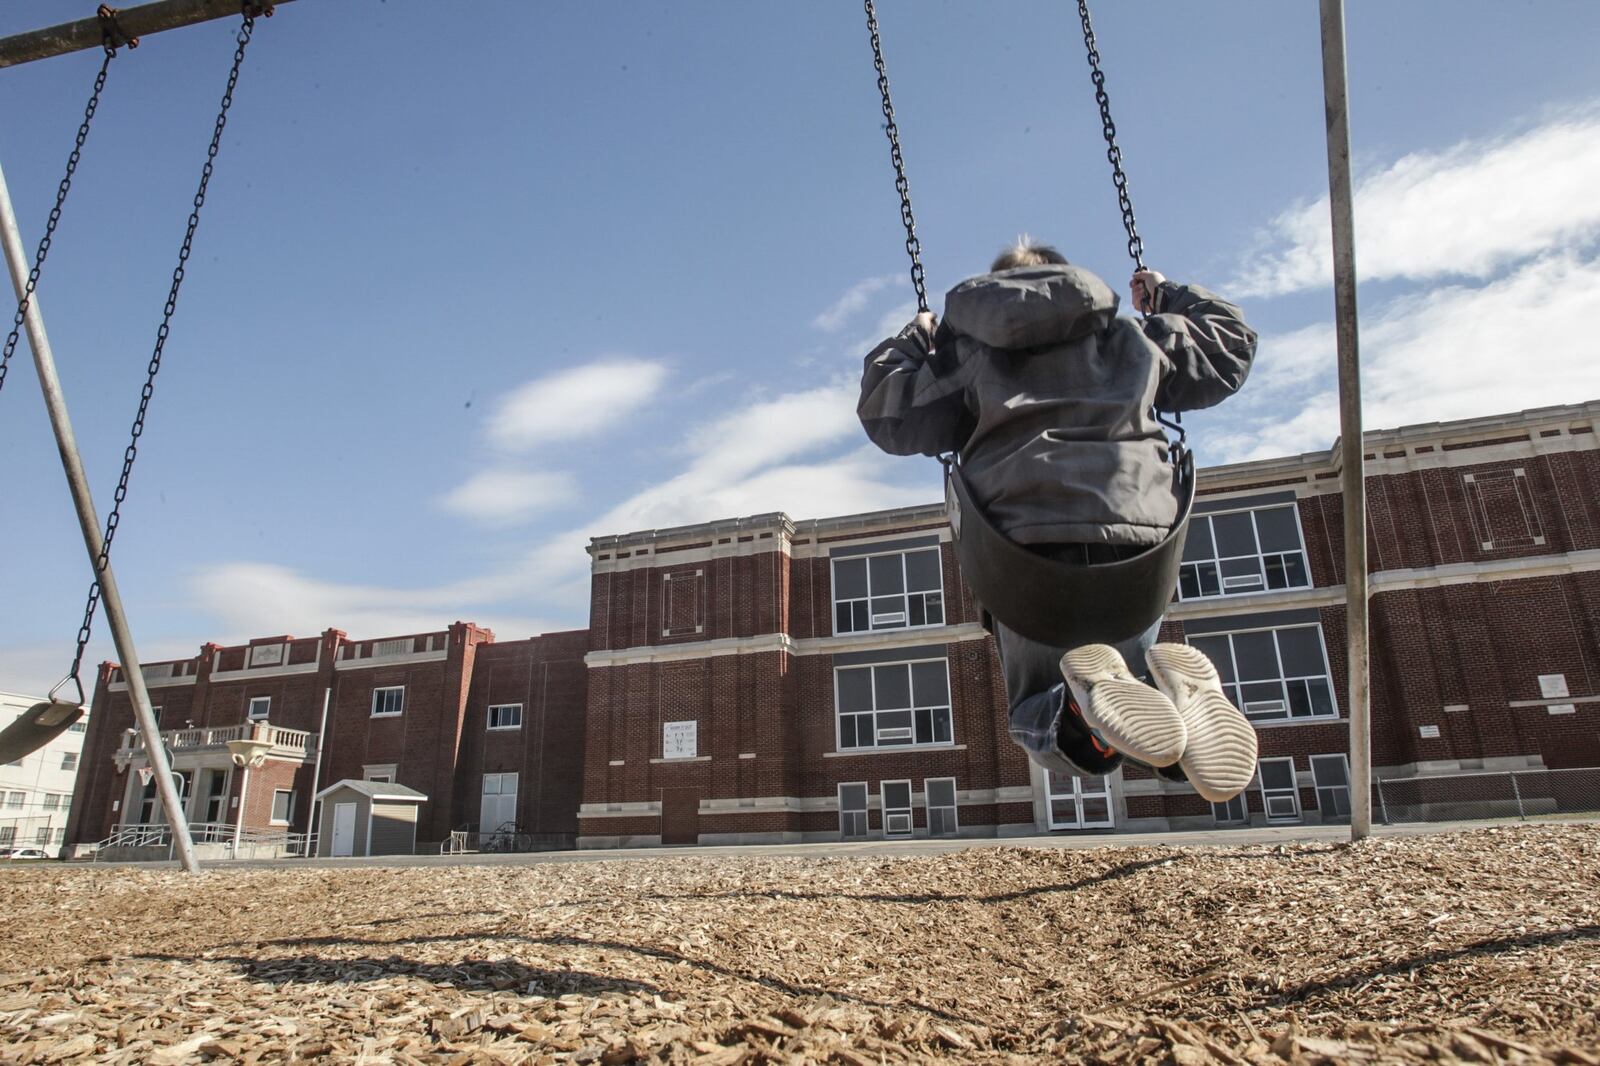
(1480, 947)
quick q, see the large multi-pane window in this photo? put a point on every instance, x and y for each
(499, 810)
(940, 795)
(894, 590)
(890, 704)
(1236, 552)
(1273, 674)
(1331, 773)
(853, 810)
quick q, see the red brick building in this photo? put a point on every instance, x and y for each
(762, 679)
(770, 680)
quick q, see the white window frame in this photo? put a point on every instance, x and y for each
(384, 772)
(1261, 557)
(8, 835)
(288, 819)
(265, 705)
(1272, 799)
(1224, 813)
(69, 760)
(863, 812)
(954, 806)
(905, 595)
(155, 712)
(379, 692)
(903, 829)
(910, 743)
(1316, 781)
(51, 801)
(493, 707)
(16, 799)
(1265, 710)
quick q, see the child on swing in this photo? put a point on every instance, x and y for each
(1047, 396)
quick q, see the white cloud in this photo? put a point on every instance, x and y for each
(573, 403)
(502, 496)
(248, 599)
(1450, 352)
(853, 301)
(1469, 211)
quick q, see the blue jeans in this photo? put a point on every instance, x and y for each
(1036, 698)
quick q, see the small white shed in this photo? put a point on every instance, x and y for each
(367, 818)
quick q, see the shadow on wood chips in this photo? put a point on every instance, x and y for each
(1480, 946)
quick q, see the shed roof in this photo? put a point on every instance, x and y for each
(376, 790)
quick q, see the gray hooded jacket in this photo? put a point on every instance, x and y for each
(1047, 395)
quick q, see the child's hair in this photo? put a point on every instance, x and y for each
(1025, 253)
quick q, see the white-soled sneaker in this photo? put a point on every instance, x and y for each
(1220, 758)
(1124, 712)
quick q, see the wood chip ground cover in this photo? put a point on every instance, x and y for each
(1473, 947)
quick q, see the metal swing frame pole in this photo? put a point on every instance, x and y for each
(135, 22)
(1352, 445)
(88, 519)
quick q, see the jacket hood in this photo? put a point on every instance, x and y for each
(1028, 307)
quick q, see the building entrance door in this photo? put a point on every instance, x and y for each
(215, 790)
(680, 816)
(344, 829)
(1079, 802)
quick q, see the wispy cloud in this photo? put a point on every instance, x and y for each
(1454, 351)
(1470, 212)
(854, 300)
(573, 404)
(503, 496)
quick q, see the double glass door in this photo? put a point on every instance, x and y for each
(1079, 802)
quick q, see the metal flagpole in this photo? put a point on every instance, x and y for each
(1352, 445)
(88, 519)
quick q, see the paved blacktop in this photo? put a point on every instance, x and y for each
(1214, 838)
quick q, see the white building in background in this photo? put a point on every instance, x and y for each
(36, 790)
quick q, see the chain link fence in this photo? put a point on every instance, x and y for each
(1531, 794)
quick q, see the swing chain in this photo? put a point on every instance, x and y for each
(115, 517)
(901, 184)
(108, 42)
(1109, 128)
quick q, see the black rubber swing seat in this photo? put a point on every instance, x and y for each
(36, 727)
(1066, 605)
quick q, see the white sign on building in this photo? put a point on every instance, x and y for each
(679, 740)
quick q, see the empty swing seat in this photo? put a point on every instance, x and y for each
(1066, 605)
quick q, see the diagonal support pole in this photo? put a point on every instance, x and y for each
(1351, 441)
(88, 518)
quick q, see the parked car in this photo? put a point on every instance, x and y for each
(27, 851)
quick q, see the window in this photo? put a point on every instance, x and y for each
(42, 837)
(940, 795)
(1233, 812)
(896, 808)
(379, 772)
(1332, 776)
(69, 760)
(1273, 674)
(260, 707)
(282, 806)
(388, 702)
(853, 811)
(889, 591)
(8, 835)
(505, 716)
(14, 799)
(61, 836)
(499, 810)
(893, 704)
(1237, 552)
(78, 727)
(51, 801)
(1279, 796)
(155, 712)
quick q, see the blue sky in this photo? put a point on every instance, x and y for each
(479, 281)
